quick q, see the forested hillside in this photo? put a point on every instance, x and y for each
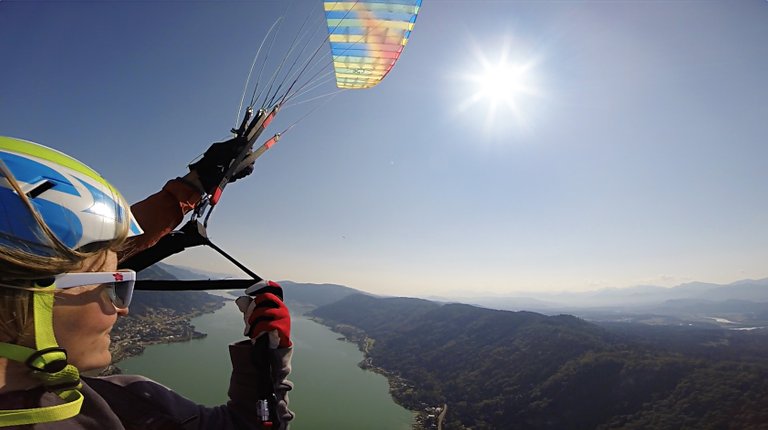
(523, 370)
(302, 298)
(181, 302)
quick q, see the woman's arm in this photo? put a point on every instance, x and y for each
(162, 212)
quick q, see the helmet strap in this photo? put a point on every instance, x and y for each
(48, 363)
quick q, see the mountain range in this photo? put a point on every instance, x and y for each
(742, 304)
(638, 296)
(739, 305)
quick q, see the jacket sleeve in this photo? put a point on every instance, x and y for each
(159, 214)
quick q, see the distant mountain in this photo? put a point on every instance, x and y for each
(508, 303)
(145, 302)
(646, 295)
(720, 307)
(741, 304)
(157, 271)
(749, 290)
(302, 298)
(522, 370)
(165, 271)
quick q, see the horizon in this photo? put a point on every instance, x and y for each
(542, 146)
(508, 294)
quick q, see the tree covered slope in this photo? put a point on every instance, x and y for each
(523, 370)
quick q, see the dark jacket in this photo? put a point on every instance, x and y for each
(132, 402)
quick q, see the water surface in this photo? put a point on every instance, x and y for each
(331, 391)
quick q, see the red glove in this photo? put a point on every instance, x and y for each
(266, 313)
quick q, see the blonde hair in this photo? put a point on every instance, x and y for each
(22, 268)
(16, 321)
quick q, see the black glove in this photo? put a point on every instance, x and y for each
(216, 160)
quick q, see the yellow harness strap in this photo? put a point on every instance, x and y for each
(49, 364)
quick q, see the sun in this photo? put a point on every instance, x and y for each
(504, 90)
(504, 84)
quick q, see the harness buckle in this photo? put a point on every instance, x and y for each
(49, 365)
(69, 385)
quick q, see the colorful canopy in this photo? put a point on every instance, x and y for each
(367, 38)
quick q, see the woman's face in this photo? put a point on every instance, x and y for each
(84, 316)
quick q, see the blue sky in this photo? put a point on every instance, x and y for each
(631, 150)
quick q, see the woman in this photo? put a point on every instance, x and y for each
(63, 230)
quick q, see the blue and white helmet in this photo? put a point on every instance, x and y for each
(76, 203)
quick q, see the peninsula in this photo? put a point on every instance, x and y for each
(158, 317)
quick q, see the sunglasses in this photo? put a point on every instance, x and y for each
(118, 285)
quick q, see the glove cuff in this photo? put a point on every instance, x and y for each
(210, 176)
(194, 185)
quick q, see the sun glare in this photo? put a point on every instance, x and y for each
(504, 83)
(504, 92)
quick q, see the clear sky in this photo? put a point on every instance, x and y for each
(624, 144)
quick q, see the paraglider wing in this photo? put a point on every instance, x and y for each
(367, 38)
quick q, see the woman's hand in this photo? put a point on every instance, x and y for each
(216, 161)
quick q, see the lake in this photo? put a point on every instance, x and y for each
(331, 391)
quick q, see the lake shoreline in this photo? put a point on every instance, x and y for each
(427, 416)
(319, 361)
